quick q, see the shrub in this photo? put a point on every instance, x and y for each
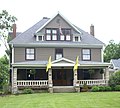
(95, 89)
(108, 88)
(85, 87)
(27, 91)
(117, 88)
(101, 88)
(114, 79)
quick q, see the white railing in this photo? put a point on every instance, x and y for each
(39, 83)
(93, 82)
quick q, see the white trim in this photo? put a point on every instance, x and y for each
(63, 18)
(12, 54)
(61, 59)
(102, 58)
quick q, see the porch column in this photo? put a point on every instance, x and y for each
(76, 84)
(50, 83)
(14, 81)
(107, 75)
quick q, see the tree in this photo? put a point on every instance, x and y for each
(112, 51)
(4, 71)
(6, 22)
(114, 79)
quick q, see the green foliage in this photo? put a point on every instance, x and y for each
(4, 71)
(117, 88)
(27, 91)
(6, 22)
(101, 88)
(114, 79)
(95, 89)
(112, 51)
(108, 88)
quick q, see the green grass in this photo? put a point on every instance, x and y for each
(62, 100)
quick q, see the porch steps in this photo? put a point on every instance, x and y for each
(63, 89)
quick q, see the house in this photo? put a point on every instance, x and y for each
(115, 65)
(59, 39)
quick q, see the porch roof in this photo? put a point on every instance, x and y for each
(62, 62)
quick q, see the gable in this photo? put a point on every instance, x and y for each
(57, 22)
(63, 62)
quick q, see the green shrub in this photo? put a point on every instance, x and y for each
(108, 88)
(117, 88)
(27, 91)
(101, 88)
(95, 89)
(114, 79)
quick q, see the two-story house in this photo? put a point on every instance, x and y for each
(59, 38)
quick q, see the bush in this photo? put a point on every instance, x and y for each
(117, 88)
(27, 91)
(95, 89)
(114, 79)
(101, 88)
(108, 88)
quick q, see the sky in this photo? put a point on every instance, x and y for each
(103, 14)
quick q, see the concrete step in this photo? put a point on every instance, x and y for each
(63, 89)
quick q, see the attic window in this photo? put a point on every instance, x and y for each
(40, 38)
(76, 38)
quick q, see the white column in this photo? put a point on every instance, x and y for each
(14, 81)
(50, 83)
(75, 77)
(107, 75)
(76, 84)
(12, 54)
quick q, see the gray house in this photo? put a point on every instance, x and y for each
(59, 38)
(115, 65)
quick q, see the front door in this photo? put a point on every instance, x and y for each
(62, 77)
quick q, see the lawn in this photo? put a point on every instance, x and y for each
(62, 100)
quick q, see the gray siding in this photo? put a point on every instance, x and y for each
(19, 54)
(44, 53)
(96, 55)
(72, 53)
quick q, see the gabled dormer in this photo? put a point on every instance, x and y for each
(58, 28)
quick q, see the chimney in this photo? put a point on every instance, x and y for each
(14, 30)
(92, 30)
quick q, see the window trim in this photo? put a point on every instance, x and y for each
(26, 54)
(86, 54)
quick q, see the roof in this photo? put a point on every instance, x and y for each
(116, 63)
(28, 36)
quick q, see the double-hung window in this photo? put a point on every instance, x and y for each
(86, 54)
(58, 53)
(51, 34)
(30, 54)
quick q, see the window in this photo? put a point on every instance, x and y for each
(67, 37)
(58, 34)
(86, 54)
(58, 53)
(30, 53)
(76, 38)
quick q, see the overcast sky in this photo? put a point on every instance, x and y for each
(103, 14)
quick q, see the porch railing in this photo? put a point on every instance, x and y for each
(93, 82)
(41, 83)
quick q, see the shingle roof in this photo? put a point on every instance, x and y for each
(28, 37)
(116, 63)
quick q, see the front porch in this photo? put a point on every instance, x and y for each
(61, 74)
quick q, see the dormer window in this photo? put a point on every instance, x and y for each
(40, 38)
(76, 38)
